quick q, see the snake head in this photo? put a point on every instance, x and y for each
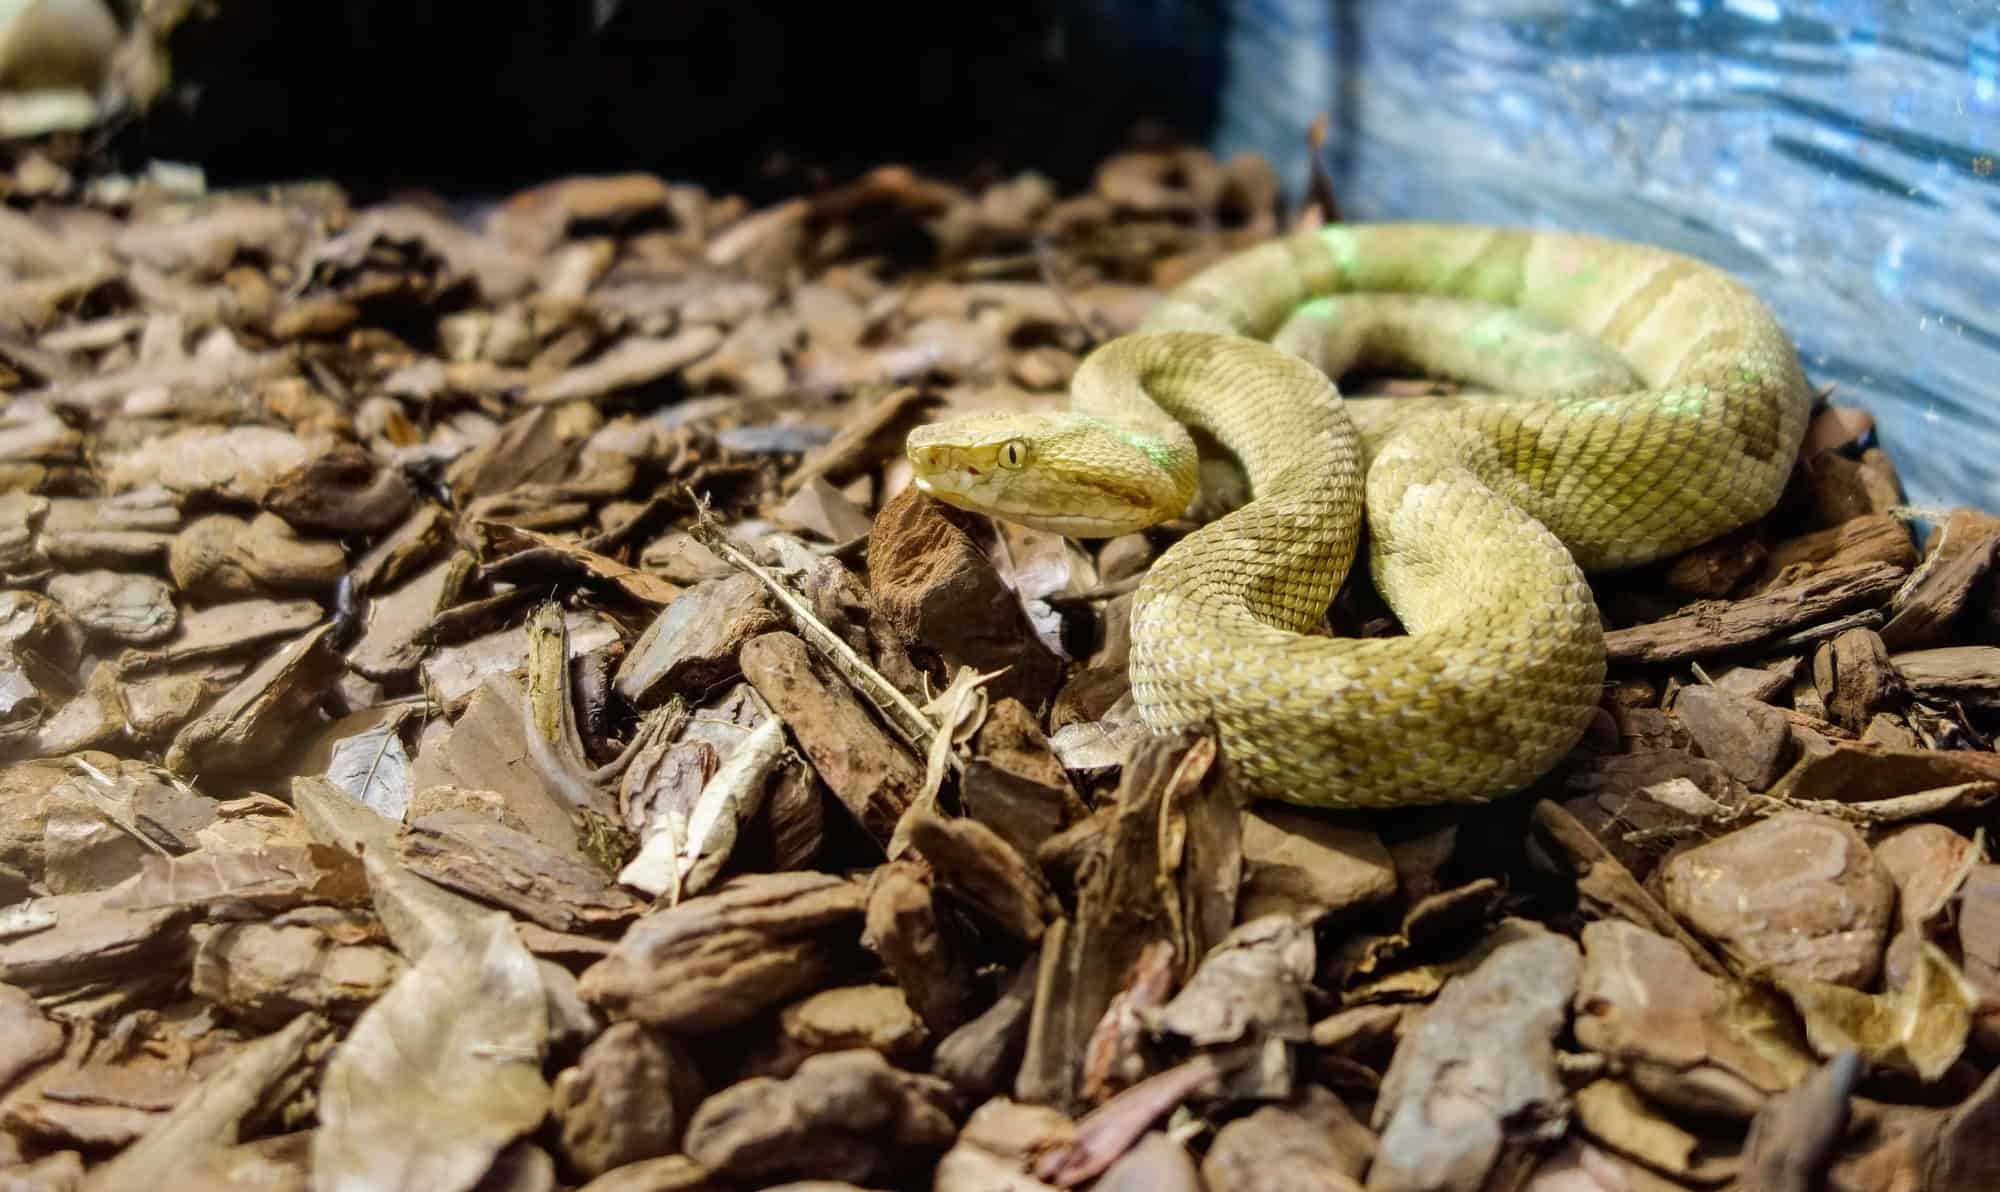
(1059, 472)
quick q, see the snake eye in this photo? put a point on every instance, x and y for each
(1013, 453)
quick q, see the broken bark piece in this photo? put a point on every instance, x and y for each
(868, 770)
(678, 558)
(281, 561)
(396, 636)
(1630, 773)
(1715, 630)
(108, 604)
(1435, 925)
(1124, 884)
(1889, 732)
(93, 719)
(102, 1098)
(536, 446)
(1312, 1143)
(847, 1115)
(1116, 1057)
(633, 363)
(231, 1102)
(487, 750)
(1888, 1146)
(271, 867)
(28, 1038)
(1762, 684)
(1605, 888)
(342, 489)
(1480, 1072)
(125, 532)
(821, 509)
(157, 705)
(917, 943)
(224, 629)
(1247, 1000)
(980, 1058)
(983, 871)
(257, 721)
(1968, 1142)
(627, 1098)
(1014, 784)
(236, 463)
(1855, 678)
(841, 600)
(266, 974)
(1714, 569)
(1876, 538)
(1949, 674)
(1612, 1112)
(1304, 866)
(1928, 863)
(1797, 895)
(1751, 740)
(692, 645)
(1979, 944)
(33, 624)
(530, 552)
(669, 1173)
(1961, 556)
(477, 856)
(1843, 489)
(111, 550)
(404, 551)
(1852, 772)
(936, 587)
(1156, 1163)
(1688, 1038)
(202, 560)
(539, 218)
(721, 958)
(77, 940)
(85, 850)
(851, 1017)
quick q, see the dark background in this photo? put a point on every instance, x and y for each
(481, 96)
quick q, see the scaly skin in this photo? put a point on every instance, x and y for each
(1483, 513)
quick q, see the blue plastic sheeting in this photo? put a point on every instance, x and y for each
(1840, 156)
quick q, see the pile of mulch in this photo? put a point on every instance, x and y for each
(483, 707)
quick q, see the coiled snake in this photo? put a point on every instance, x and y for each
(1643, 403)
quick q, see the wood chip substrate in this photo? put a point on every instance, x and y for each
(482, 706)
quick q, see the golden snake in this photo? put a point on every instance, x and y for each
(1643, 403)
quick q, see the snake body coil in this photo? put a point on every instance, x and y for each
(1645, 403)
